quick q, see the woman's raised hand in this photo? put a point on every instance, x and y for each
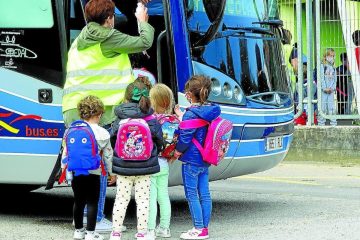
(141, 13)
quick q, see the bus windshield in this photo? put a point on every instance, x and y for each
(30, 40)
(253, 60)
(238, 13)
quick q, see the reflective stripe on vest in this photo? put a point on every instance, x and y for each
(89, 72)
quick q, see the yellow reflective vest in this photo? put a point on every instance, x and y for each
(89, 72)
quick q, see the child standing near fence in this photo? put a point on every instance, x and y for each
(328, 87)
(132, 172)
(162, 100)
(195, 172)
(86, 184)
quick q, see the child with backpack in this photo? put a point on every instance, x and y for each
(85, 141)
(162, 100)
(195, 171)
(139, 140)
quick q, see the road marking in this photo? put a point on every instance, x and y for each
(311, 177)
(276, 179)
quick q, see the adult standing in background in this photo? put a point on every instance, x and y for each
(344, 86)
(98, 64)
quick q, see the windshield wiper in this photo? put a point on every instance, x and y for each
(274, 22)
(250, 29)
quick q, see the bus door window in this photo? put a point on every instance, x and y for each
(30, 42)
(126, 22)
(75, 19)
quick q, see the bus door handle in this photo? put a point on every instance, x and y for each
(45, 95)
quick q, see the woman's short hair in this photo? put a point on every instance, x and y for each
(99, 10)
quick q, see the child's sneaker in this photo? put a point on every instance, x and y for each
(79, 233)
(115, 235)
(195, 234)
(150, 235)
(103, 226)
(93, 236)
(106, 226)
(141, 236)
(162, 232)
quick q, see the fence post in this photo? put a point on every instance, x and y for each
(309, 40)
(300, 82)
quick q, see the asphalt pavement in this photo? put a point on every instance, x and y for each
(290, 201)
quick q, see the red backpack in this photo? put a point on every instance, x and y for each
(217, 140)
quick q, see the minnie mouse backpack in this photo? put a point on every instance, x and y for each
(134, 140)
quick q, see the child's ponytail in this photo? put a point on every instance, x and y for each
(200, 87)
(138, 92)
(144, 104)
(205, 90)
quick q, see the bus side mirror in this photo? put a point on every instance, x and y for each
(285, 35)
(214, 9)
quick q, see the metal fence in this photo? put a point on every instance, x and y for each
(327, 52)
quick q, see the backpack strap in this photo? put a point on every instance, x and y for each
(193, 123)
(198, 146)
(63, 175)
(102, 165)
(150, 117)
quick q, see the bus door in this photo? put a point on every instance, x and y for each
(32, 63)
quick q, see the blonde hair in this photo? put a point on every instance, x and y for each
(327, 53)
(90, 106)
(162, 98)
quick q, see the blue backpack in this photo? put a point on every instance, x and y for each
(82, 150)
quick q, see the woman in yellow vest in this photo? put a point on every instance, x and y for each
(98, 64)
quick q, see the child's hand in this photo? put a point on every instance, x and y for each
(172, 159)
(178, 111)
(112, 180)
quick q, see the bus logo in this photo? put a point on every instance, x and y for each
(8, 127)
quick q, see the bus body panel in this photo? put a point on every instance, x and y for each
(30, 132)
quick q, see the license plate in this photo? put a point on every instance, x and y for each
(274, 143)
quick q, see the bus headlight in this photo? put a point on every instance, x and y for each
(215, 87)
(227, 90)
(238, 95)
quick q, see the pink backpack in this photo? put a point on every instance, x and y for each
(217, 139)
(134, 141)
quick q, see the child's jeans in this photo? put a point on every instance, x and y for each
(328, 107)
(123, 195)
(196, 185)
(159, 193)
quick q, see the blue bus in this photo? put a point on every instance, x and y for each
(237, 43)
